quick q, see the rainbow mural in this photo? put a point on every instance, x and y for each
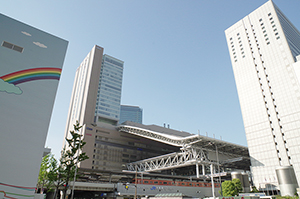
(32, 74)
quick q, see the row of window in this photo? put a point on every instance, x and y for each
(240, 46)
(276, 111)
(273, 26)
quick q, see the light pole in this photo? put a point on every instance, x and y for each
(219, 169)
(135, 182)
(212, 180)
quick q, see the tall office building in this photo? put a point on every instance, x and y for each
(109, 90)
(263, 48)
(96, 91)
(131, 113)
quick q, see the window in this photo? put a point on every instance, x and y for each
(269, 14)
(12, 46)
(275, 29)
(262, 24)
(260, 20)
(272, 22)
(271, 18)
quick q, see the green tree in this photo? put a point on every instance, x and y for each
(238, 185)
(71, 156)
(228, 188)
(231, 188)
(44, 179)
(254, 190)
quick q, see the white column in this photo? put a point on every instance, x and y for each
(197, 170)
(212, 180)
(203, 169)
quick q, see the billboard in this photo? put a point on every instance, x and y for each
(30, 67)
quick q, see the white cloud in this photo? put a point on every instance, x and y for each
(39, 44)
(26, 33)
(9, 88)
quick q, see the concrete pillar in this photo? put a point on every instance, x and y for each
(212, 181)
(197, 170)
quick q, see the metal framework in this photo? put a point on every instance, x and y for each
(168, 139)
(193, 151)
(187, 156)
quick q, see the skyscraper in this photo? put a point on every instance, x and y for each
(131, 113)
(96, 91)
(109, 91)
(263, 48)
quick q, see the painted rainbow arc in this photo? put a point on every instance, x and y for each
(31, 75)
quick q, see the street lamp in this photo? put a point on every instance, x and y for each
(217, 154)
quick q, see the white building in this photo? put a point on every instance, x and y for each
(31, 62)
(263, 47)
(96, 91)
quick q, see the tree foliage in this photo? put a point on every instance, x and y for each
(254, 190)
(54, 174)
(228, 188)
(45, 180)
(238, 185)
(231, 188)
(72, 155)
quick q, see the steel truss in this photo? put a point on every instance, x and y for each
(171, 140)
(187, 156)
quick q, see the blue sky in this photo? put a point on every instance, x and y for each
(177, 67)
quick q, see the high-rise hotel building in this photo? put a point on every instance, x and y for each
(264, 47)
(96, 91)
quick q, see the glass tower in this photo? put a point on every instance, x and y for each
(109, 90)
(263, 48)
(131, 113)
